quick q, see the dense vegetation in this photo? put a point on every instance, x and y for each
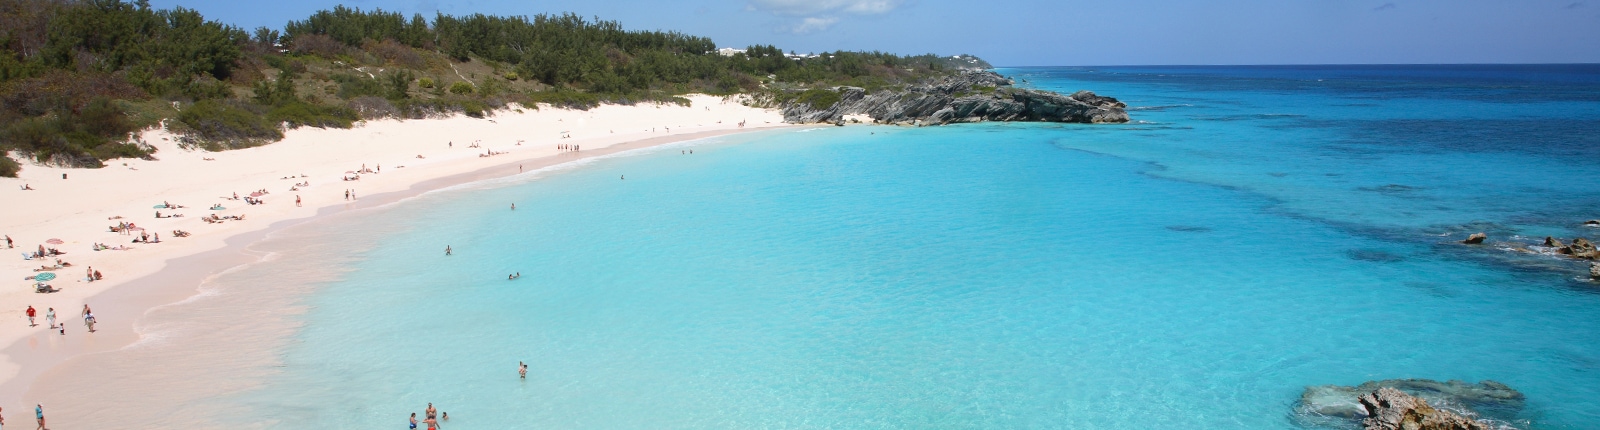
(77, 78)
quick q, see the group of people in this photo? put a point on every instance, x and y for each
(431, 417)
(566, 147)
(50, 316)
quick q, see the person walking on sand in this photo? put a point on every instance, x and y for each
(8, 242)
(296, 200)
(50, 315)
(32, 313)
(38, 411)
(88, 320)
(90, 272)
(86, 310)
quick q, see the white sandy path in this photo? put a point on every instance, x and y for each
(76, 209)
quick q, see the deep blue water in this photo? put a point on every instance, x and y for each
(1255, 230)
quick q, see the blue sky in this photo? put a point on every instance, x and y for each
(1070, 32)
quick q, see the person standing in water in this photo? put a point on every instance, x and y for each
(447, 250)
(513, 206)
(522, 369)
(413, 421)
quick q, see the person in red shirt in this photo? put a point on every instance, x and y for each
(31, 313)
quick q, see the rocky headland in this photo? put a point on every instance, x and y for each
(971, 96)
(1411, 404)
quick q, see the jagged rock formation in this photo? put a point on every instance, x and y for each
(1580, 248)
(1319, 404)
(1391, 409)
(1475, 239)
(967, 97)
(1594, 271)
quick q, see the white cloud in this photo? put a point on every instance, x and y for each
(818, 15)
(813, 24)
(817, 7)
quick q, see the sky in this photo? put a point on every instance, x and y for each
(1067, 32)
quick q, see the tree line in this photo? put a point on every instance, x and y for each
(78, 76)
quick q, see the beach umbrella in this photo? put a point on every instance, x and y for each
(44, 276)
(53, 241)
(137, 228)
(255, 194)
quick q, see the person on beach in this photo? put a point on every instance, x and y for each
(86, 310)
(347, 195)
(413, 421)
(296, 200)
(31, 314)
(90, 273)
(522, 369)
(2, 419)
(88, 320)
(50, 316)
(97, 275)
(8, 242)
(38, 411)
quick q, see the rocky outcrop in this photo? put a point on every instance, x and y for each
(1475, 238)
(1553, 242)
(1580, 248)
(1592, 223)
(1488, 398)
(1594, 271)
(972, 96)
(1391, 409)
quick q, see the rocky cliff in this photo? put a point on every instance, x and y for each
(966, 97)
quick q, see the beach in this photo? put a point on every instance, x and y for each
(393, 159)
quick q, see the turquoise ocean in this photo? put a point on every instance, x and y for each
(1253, 231)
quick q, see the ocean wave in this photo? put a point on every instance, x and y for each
(1158, 107)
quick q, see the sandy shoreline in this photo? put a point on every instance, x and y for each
(155, 275)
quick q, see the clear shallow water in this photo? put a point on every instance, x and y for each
(1195, 270)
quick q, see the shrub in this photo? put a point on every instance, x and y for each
(425, 83)
(299, 113)
(9, 167)
(461, 88)
(215, 124)
(818, 98)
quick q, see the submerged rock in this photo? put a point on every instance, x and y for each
(1553, 242)
(1594, 271)
(967, 97)
(1391, 409)
(1592, 223)
(1488, 398)
(1475, 238)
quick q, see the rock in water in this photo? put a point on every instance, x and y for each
(1592, 223)
(1339, 406)
(1553, 242)
(1580, 248)
(1391, 409)
(966, 97)
(1594, 271)
(1475, 238)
